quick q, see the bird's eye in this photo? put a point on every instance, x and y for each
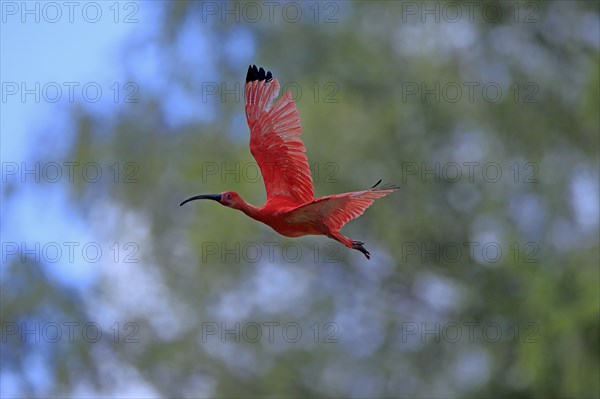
(228, 196)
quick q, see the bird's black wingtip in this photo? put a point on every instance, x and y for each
(259, 74)
(376, 184)
(386, 186)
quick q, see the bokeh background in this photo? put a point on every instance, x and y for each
(484, 280)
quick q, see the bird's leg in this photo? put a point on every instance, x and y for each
(336, 235)
(360, 247)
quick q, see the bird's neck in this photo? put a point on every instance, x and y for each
(250, 210)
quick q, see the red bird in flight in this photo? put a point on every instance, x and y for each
(291, 208)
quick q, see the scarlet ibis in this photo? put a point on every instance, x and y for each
(291, 208)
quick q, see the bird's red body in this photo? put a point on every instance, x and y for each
(291, 208)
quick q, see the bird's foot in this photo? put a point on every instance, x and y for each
(359, 246)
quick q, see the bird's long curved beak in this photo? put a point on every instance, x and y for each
(214, 197)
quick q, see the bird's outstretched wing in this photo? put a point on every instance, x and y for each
(275, 141)
(337, 210)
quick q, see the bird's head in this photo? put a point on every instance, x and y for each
(229, 198)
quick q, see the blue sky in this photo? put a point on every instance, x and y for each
(44, 52)
(64, 55)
